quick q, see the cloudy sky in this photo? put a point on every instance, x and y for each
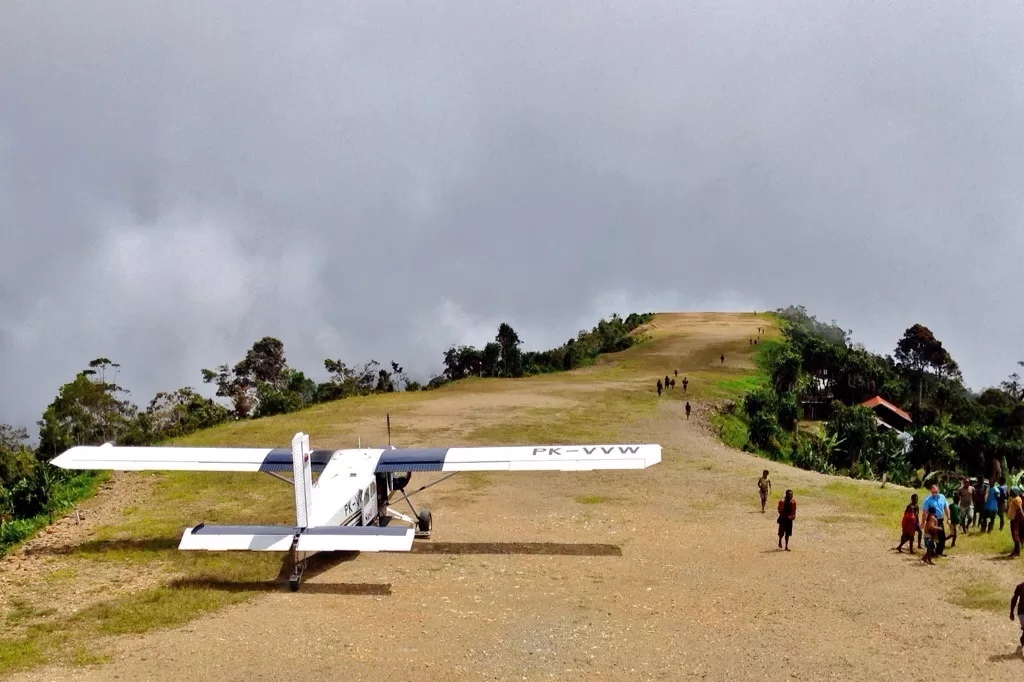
(386, 179)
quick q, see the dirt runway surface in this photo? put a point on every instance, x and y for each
(663, 574)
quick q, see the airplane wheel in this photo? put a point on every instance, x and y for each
(294, 584)
(424, 522)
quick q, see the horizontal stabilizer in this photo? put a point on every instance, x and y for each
(520, 458)
(251, 538)
(356, 539)
(313, 539)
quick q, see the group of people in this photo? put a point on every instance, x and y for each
(981, 505)
(787, 508)
(671, 383)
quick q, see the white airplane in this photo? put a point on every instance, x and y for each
(348, 508)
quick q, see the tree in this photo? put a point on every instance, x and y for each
(919, 350)
(86, 411)
(1012, 385)
(263, 363)
(183, 411)
(16, 458)
(511, 359)
(856, 428)
(785, 369)
(931, 450)
(490, 359)
(761, 407)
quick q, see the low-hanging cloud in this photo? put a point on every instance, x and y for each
(382, 181)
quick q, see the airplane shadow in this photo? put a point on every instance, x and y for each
(357, 589)
(996, 658)
(315, 565)
(538, 548)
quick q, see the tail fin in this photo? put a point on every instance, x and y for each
(302, 475)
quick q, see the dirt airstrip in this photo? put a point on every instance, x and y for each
(667, 573)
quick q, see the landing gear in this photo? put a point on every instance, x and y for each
(424, 523)
(422, 520)
(298, 566)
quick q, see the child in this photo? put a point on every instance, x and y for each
(909, 526)
(787, 513)
(917, 519)
(954, 519)
(931, 531)
(764, 487)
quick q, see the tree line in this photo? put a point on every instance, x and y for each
(93, 408)
(954, 431)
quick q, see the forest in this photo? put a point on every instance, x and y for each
(93, 408)
(954, 431)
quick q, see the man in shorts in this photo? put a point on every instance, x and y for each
(1017, 609)
(764, 487)
(787, 514)
(965, 494)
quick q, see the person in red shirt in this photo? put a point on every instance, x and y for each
(787, 513)
(909, 526)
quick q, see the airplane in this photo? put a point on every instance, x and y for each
(349, 507)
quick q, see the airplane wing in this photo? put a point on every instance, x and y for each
(499, 458)
(130, 458)
(520, 458)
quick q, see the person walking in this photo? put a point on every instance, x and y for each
(991, 506)
(764, 488)
(1014, 514)
(787, 514)
(687, 410)
(931, 531)
(936, 504)
(908, 526)
(1002, 500)
(966, 495)
(1017, 605)
(659, 388)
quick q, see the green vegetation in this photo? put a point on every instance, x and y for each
(733, 428)
(503, 358)
(953, 432)
(986, 596)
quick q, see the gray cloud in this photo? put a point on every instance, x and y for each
(381, 181)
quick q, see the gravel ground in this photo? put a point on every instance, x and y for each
(675, 574)
(681, 580)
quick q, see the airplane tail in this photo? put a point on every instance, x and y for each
(302, 476)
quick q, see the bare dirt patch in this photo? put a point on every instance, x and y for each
(30, 574)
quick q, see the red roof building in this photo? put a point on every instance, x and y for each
(888, 413)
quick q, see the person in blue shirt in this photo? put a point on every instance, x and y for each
(936, 503)
(991, 507)
(1003, 497)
